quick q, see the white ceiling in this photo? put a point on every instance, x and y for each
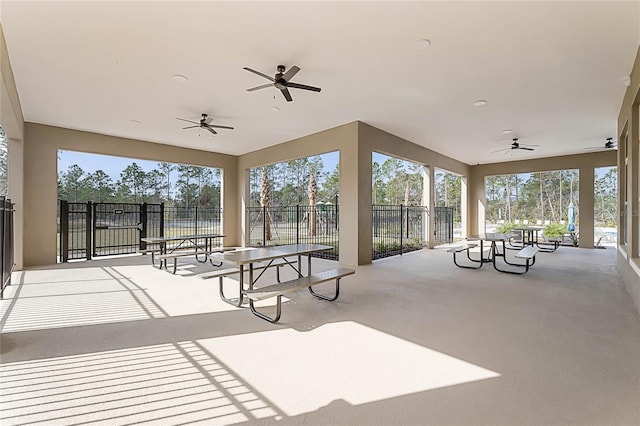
(553, 72)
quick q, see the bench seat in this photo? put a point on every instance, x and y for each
(277, 290)
(182, 253)
(461, 247)
(466, 246)
(528, 253)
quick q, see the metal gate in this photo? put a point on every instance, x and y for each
(118, 228)
(443, 231)
(101, 229)
(75, 231)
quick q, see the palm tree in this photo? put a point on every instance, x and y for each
(313, 196)
(265, 189)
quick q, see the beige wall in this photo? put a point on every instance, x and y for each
(585, 163)
(628, 122)
(356, 142)
(343, 139)
(40, 170)
(12, 122)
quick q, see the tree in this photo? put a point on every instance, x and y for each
(133, 179)
(99, 186)
(165, 170)
(265, 194)
(313, 196)
(4, 163)
(73, 184)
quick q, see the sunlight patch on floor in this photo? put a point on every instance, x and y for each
(301, 372)
(160, 384)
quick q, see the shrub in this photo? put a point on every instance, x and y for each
(505, 228)
(555, 230)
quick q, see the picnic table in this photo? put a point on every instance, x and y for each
(527, 253)
(272, 255)
(529, 236)
(201, 246)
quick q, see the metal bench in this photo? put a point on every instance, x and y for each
(466, 246)
(177, 254)
(529, 254)
(277, 290)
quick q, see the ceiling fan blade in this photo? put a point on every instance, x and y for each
(188, 121)
(260, 74)
(264, 86)
(290, 73)
(220, 127)
(190, 127)
(527, 144)
(211, 130)
(302, 86)
(500, 150)
(286, 94)
(526, 148)
(208, 120)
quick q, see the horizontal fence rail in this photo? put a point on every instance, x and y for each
(6, 242)
(295, 225)
(398, 229)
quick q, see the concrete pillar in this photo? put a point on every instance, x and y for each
(464, 212)
(586, 207)
(429, 180)
(15, 180)
(634, 162)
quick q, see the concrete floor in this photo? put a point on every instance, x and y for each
(412, 340)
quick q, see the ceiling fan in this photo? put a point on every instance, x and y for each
(516, 145)
(205, 123)
(282, 81)
(609, 144)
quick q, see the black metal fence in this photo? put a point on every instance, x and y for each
(101, 229)
(443, 231)
(6, 242)
(295, 225)
(398, 229)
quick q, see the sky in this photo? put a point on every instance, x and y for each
(112, 166)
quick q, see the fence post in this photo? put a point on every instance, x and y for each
(162, 219)
(401, 218)
(196, 227)
(64, 231)
(407, 222)
(143, 226)
(297, 223)
(264, 226)
(89, 227)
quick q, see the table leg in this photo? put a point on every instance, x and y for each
(241, 286)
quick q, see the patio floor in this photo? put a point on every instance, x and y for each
(411, 340)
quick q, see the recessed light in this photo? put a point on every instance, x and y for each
(480, 102)
(507, 131)
(422, 44)
(180, 77)
(135, 121)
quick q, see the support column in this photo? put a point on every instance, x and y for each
(464, 217)
(15, 181)
(634, 159)
(586, 186)
(428, 194)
